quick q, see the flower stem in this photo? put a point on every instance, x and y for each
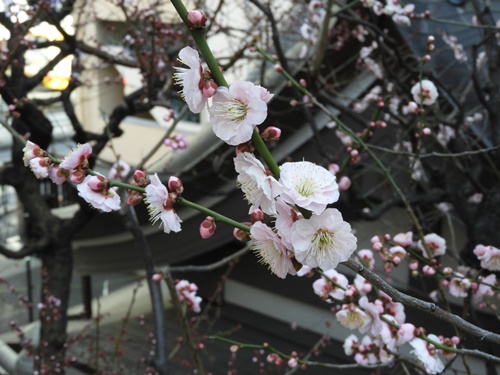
(217, 216)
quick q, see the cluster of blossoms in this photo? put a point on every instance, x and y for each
(359, 306)
(400, 15)
(313, 22)
(422, 255)
(186, 292)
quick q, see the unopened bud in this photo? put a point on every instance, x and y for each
(140, 178)
(77, 177)
(175, 185)
(303, 82)
(209, 88)
(134, 198)
(157, 277)
(241, 235)
(278, 68)
(196, 19)
(98, 183)
(344, 183)
(245, 147)
(256, 215)
(426, 131)
(207, 227)
(271, 133)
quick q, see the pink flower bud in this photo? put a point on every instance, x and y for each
(245, 147)
(344, 183)
(77, 177)
(134, 198)
(241, 235)
(209, 88)
(426, 131)
(272, 133)
(303, 82)
(140, 178)
(278, 68)
(157, 277)
(428, 270)
(98, 183)
(196, 19)
(175, 185)
(292, 362)
(207, 227)
(256, 215)
(333, 168)
(413, 265)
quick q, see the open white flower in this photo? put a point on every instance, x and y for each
(259, 186)
(268, 247)
(237, 109)
(190, 79)
(428, 354)
(424, 92)
(308, 185)
(160, 205)
(323, 241)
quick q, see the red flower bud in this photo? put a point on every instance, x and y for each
(140, 178)
(207, 227)
(175, 185)
(271, 133)
(241, 235)
(256, 215)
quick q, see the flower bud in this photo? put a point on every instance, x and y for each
(98, 183)
(140, 178)
(77, 176)
(175, 185)
(196, 19)
(157, 277)
(241, 235)
(344, 183)
(245, 147)
(209, 88)
(256, 215)
(207, 227)
(271, 133)
(134, 198)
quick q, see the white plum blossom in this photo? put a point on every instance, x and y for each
(327, 290)
(258, 185)
(324, 240)
(424, 92)
(308, 185)
(77, 157)
(269, 249)
(374, 326)
(160, 205)
(31, 151)
(95, 190)
(285, 219)
(489, 257)
(436, 244)
(351, 344)
(190, 79)
(352, 317)
(404, 239)
(237, 110)
(428, 354)
(40, 167)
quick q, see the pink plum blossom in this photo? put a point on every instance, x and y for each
(96, 191)
(308, 185)
(428, 354)
(178, 142)
(186, 292)
(362, 285)
(327, 290)
(258, 185)
(459, 285)
(269, 249)
(374, 327)
(366, 257)
(489, 257)
(436, 244)
(160, 205)
(58, 175)
(237, 110)
(31, 151)
(40, 167)
(404, 239)
(424, 92)
(351, 344)
(190, 78)
(323, 241)
(119, 170)
(77, 162)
